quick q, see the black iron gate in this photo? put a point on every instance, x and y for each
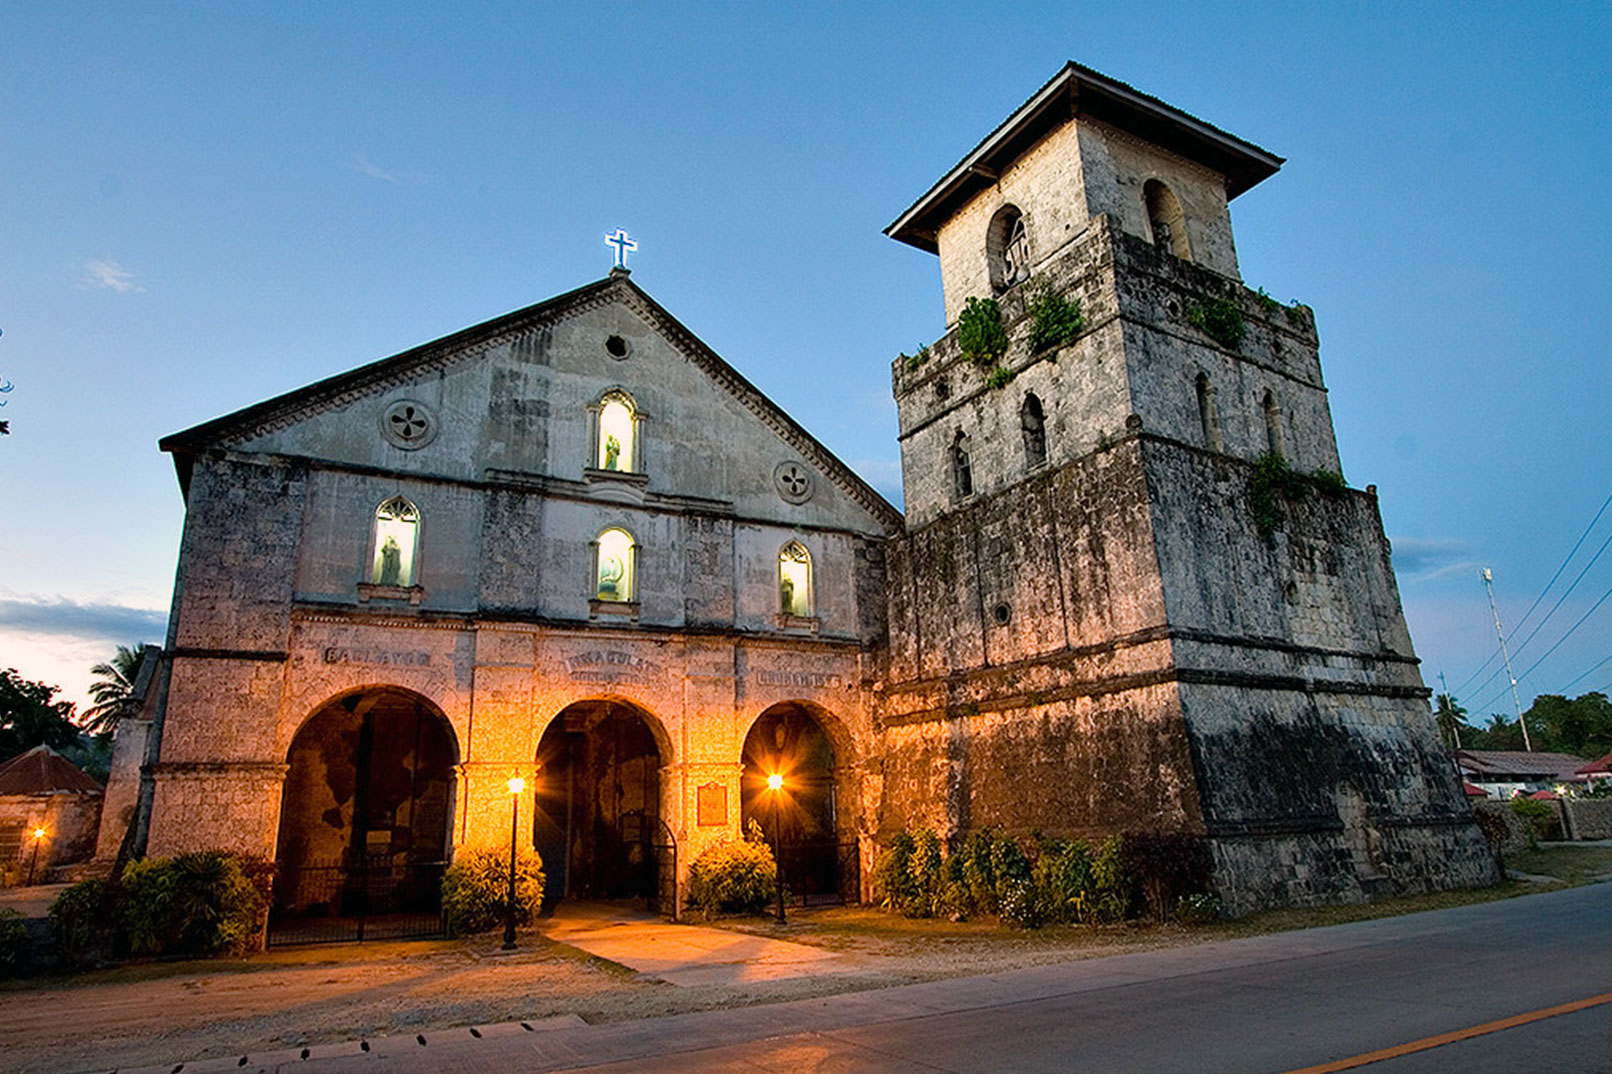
(652, 848)
(366, 897)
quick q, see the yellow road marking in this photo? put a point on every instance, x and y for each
(1450, 1038)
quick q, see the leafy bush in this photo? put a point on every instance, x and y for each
(1166, 866)
(1111, 883)
(1329, 482)
(733, 877)
(926, 868)
(1054, 320)
(913, 361)
(1199, 909)
(892, 876)
(980, 335)
(1220, 319)
(1541, 817)
(979, 871)
(14, 945)
(475, 889)
(1063, 873)
(1000, 376)
(1017, 901)
(85, 920)
(194, 904)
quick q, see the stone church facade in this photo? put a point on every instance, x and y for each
(574, 545)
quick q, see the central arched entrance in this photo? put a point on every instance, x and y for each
(597, 821)
(818, 848)
(365, 818)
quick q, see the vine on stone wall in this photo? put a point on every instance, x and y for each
(1220, 319)
(1274, 483)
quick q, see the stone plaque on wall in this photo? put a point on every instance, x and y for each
(712, 804)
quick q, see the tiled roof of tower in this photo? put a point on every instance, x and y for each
(1078, 90)
(42, 770)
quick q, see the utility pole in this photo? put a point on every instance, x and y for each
(1488, 586)
(1455, 724)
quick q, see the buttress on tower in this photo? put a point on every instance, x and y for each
(1132, 593)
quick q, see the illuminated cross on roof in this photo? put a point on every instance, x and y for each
(622, 244)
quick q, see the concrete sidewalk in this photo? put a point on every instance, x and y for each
(684, 954)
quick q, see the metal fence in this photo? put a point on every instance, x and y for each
(372, 897)
(821, 872)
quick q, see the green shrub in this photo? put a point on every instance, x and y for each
(733, 877)
(1017, 901)
(475, 889)
(1541, 816)
(892, 876)
(914, 361)
(980, 335)
(14, 945)
(1111, 883)
(1220, 319)
(1198, 909)
(979, 871)
(1054, 320)
(1000, 376)
(925, 869)
(85, 920)
(194, 904)
(1329, 482)
(1166, 866)
(1063, 874)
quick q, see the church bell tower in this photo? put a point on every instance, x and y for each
(1135, 593)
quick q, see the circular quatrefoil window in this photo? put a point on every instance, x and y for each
(793, 482)
(408, 424)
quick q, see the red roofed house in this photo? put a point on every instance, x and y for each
(41, 789)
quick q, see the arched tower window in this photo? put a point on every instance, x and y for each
(1166, 220)
(616, 443)
(397, 536)
(1007, 248)
(615, 566)
(1275, 437)
(962, 472)
(1207, 414)
(795, 581)
(1033, 424)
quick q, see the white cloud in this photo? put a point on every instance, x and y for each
(362, 165)
(106, 274)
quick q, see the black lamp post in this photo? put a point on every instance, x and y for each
(39, 837)
(775, 784)
(516, 786)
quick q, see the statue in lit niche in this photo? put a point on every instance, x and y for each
(612, 453)
(610, 573)
(391, 562)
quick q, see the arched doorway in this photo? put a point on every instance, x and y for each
(597, 821)
(365, 818)
(818, 851)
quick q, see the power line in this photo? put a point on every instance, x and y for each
(1576, 545)
(1593, 667)
(1566, 592)
(1553, 648)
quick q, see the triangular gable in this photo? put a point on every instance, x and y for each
(42, 770)
(284, 410)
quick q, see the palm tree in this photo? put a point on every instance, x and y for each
(114, 690)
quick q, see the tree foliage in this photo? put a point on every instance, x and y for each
(1581, 726)
(30, 716)
(114, 690)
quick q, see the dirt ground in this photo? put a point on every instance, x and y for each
(168, 1012)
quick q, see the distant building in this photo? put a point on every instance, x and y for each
(1504, 773)
(43, 792)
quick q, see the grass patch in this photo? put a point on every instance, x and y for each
(1572, 865)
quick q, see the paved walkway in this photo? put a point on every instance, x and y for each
(684, 954)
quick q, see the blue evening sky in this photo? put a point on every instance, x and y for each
(206, 205)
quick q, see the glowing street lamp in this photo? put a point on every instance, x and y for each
(516, 786)
(39, 837)
(775, 784)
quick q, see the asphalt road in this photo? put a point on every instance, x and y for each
(1307, 1001)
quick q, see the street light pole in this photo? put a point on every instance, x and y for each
(516, 786)
(39, 837)
(775, 784)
